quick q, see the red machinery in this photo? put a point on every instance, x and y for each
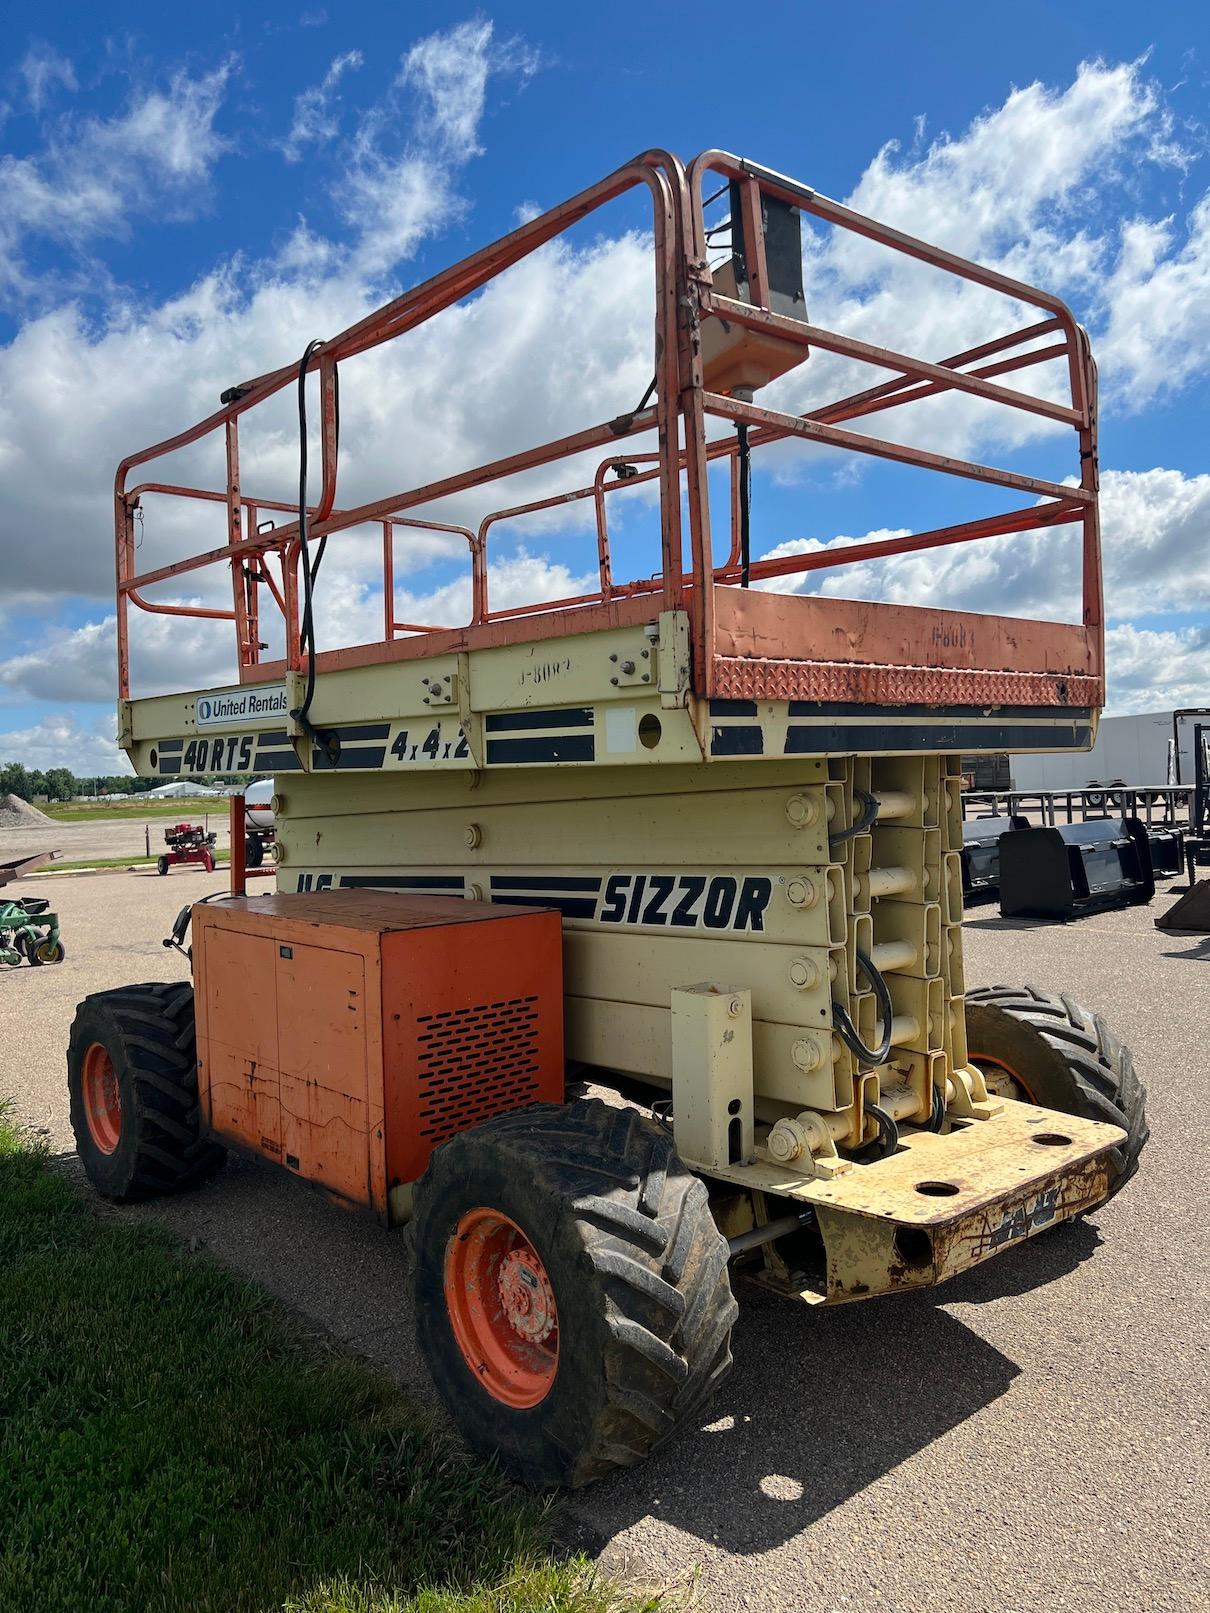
(187, 843)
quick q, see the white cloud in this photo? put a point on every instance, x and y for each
(96, 174)
(80, 664)
(1036, 188)
(59, 740)
(42, 67)
(1149, 670)
(1154, 529)
(985, 190)
(315, 119)
(393, 202)
(1157, 328)
(398, 184)
(451, 70)
(559, 342)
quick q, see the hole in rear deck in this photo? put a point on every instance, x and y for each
(938, 1190)
(1050, 1139)
(914, 1247)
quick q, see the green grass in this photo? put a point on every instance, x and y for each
(221, 854)
(169, 1441)
(139, 806)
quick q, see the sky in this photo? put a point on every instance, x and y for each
(188, 196)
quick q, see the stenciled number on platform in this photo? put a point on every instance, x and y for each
(231, 753)
(431, 748)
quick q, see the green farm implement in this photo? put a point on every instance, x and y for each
(29, 931)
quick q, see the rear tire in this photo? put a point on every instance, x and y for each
(1064, 1058)
(132, 1080)
(628, 1261)
(254, 851)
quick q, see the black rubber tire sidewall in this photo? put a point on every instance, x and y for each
(1025, 1053)
(1049, 1063)
(111, 1174)
(161, 865)
(148, 1031)
(575, 1401)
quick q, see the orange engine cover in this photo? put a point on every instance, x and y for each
(346, 1033)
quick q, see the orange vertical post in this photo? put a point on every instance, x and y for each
(239, 864)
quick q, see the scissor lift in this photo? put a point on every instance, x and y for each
(742, 802)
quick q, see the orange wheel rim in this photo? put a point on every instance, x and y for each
(982, 1059)
(502, 1308)
(102, 1099)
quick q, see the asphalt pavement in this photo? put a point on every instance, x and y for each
(1031, 1438)
(79, 841)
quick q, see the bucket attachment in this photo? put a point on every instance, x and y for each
(981, 853)
(1190, 912)
(1167, 850)
(1062, 873)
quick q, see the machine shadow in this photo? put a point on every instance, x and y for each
(776, 1457)
(1199, 952)
(996, 921)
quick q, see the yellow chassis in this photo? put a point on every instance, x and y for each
(718, 886)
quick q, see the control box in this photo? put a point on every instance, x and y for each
(344, 1034)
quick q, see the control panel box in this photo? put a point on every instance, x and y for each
(344, 1034)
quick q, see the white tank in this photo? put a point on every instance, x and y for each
(257, 798)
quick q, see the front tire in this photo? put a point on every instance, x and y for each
(572, 1297)
(254, 851)
(132, 1080)
(1062, 1057)
(162, 865)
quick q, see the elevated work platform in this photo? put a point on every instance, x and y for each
(713, 653)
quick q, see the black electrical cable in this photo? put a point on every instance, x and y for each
(888, 1131)
(306, 637)
(623, 423)
(937, 1116)
(869, 811)
(745, 503)
(848, 1031)
(322, 545)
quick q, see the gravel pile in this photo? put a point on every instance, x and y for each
(18, 814)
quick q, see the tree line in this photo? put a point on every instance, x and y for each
(61, 784)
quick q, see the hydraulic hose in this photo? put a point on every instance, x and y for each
(937, 1116)
(887, 1140)
(869, 811)
(848, 1031)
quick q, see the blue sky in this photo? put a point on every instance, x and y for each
(187, 197)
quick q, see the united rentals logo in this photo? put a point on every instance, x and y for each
(267, 702)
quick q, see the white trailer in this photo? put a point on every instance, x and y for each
(1129, 750)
